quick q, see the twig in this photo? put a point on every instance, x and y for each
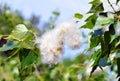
(111, 6)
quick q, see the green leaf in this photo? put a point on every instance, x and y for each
(96, 54)
(1, 36)
(9, 46)
(114, 42)
(97, 6)
(78, 15)
(27, 57)
(94, 41)
(24, 36)
(107, 39)
(53, 73)
(117, 1)
(90, 21)
(19, 32)
(106, 21)
(117, 55)
(118, 67)
(56, 13)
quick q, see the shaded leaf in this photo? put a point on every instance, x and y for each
(27, 57)
(118, 67)
(93, 69)
(98, 32)
(114, 42)
(112, 29)
(117, 1)
(104, 14)
(107, 39)
(103, 62)
(94, 41)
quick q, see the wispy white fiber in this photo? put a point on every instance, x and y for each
(51, 42)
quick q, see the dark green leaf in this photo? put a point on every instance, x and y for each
(107, 39)
(104, 14)
(27, 57)
(93, 69)
(97, 6)
(117, 1)
(78, 15)
(112, 29)
(114, 41)
(94, 41)
(118, 67)
(90, 21)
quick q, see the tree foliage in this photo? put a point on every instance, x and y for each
(20, 57)
(104, 35)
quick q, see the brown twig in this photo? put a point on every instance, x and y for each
(111, 6)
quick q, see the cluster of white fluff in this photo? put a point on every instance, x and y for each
(51, 42)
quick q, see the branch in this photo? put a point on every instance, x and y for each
(111, 6)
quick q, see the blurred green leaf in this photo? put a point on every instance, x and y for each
(27, 57)
(9, 46)
(107, 39)
(56, 13)
(78, 15)
(117, 1)
(1, 36)
(118, 67)
(19, 32)
(90, 21)
(97, 6)
(106, 21)
(53, 73)
(94, 41)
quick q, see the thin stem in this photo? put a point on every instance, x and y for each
(111, 6)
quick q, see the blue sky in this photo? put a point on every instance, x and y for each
(67, 8)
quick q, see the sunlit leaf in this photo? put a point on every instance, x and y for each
(105, 21)
(19, 32)
(78, 15)
(97, 6)
(90, 21)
